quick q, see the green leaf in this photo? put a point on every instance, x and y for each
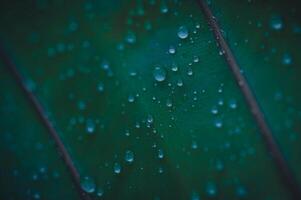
(144, 110)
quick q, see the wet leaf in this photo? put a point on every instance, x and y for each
(143, 99)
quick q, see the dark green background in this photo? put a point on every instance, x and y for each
(60, 48)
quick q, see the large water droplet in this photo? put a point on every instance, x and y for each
(88, 185)
(159, 74)
(182, 32)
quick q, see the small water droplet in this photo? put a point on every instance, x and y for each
(276, 22)
(131, 98)
(211, 189)
(90, 126)
(174, 67)
(218, 123)
(100, 87)
(241, 191)
(117, 168)
(127, 133)
(172, 50)
(130, 38)
(182, 32)
(195, 196)
(88, 185)
(163, 7)
(287, 59)
(232, 104)
(196, 59)
(160, 154)
(129, 156)
(189, 72)
(100, 192)
(194, 145)
(219, 165)
(150, 119)
(160, 170)
(105, 65)
(159, 74)
(214, 110)
(180, 82)
(168, 103)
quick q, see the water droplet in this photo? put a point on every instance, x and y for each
(73, 26)
(130, 38)
(168, 103)
(159, 74)
(90, 126)
(189, 72)
(127, 133)
(88, 185)
(276, 22)
(163, 7)
(117, 168)
(105, 65)
(220, 102)
(147, 25)
(174, 67)
(219, 165)
(218, 123)
(211, 189)
(160, 170)
(195, 196)
(100, 87)
(241, 191)
(172, 50)
(196, 59)
(214, 110)
(182, 32)
(129, 156)
(287, 59)
(194, 145)
(180, 82)
(100, 192)
(37, 196)
(232, 104)
(131, 98)
(150, 119)
(160, 154)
